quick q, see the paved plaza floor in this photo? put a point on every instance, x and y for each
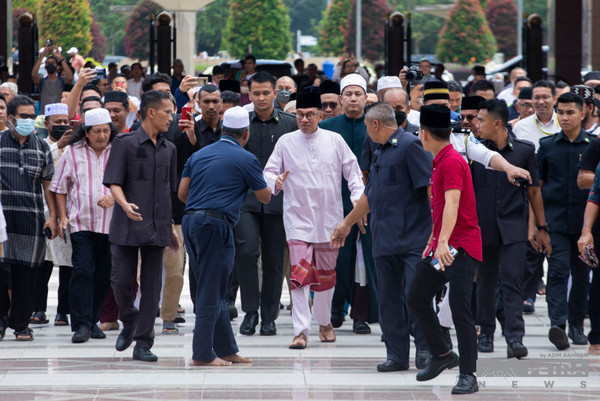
(52, 368)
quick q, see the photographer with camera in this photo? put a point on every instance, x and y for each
(51, 86)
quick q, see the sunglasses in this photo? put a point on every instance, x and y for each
(331, 105)
(468, 118)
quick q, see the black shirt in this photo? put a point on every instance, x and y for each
(502, 208)
(558, 161)
(591, 156)
(148, 176)
(263, 137)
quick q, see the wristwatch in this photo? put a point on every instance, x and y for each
(543, 227)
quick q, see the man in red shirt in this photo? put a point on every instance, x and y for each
(455, 228)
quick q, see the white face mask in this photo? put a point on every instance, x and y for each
(198, 108)
(244, 90)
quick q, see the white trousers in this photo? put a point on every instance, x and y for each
(301, 309)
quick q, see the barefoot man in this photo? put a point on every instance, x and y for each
(214, 185)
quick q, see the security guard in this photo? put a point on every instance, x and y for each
(502, 212)
(214, 185)
(564, 203)
(396, 195)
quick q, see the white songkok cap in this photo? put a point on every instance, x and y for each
(236, 117)
(353, 79)
(388, 82)
(72, 50)
(97, 117)
(54, 109)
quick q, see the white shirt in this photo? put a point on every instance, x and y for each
(133, 88)
(471, 149)
(414, 117)
(507, 95)
(531, 129)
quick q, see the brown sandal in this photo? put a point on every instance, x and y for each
(326, 334)
(300, 342)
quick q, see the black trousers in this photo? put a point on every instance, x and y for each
(394, 277)
(90, 279)
(42, 277)
(564, 262)
(124, 272)
(594, 308)
(425, 285)
(260, 234)
(534, 270)
(21, 280)
(503, 262)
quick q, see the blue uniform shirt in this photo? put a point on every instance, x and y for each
(397, 194)
(221, 175)
(558, 161)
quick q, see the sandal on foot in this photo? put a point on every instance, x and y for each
(170, 328)
(106, 326)
(326, 334)
(299, 342)
(24, 335)
(61, 320)
(528, 306)
(180, 309)
(38, 318)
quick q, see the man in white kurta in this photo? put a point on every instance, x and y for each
(308, 164)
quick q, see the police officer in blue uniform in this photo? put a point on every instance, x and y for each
(214, 185)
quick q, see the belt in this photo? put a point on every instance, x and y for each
(209, 213)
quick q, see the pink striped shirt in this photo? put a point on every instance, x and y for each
(79, 175)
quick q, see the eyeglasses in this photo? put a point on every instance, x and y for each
(525, 105)
(25, 116)
(331, 105)
(542, 97)
(309, 116)
(468, 118)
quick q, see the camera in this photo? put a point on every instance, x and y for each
(413, 74)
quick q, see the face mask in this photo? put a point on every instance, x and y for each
(283, 95)
(58, 130)
(51, 68)
(400, 117)
(198, 108)
(244, 90)
(24, 126)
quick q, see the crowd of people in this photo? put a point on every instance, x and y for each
(415, 203)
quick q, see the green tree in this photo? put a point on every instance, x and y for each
(466, 37)
(98, 42)
(264, 25)
(137, 30)
(31, 5)
(210, 25)
(305, 15)
(502, 18)
(67, 22)
(333, 27)
(373, 15)
(112, 23)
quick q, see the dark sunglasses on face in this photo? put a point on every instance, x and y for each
(331, 105)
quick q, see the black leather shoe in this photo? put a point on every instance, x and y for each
(179, 319)
(467, 384)
(143, 354)
(97, 333)
(248, 326)
(267, 328)
(447, 337)
(516, 349)
(360, 327)
(422, 358)
(337, 318)
(558, 337)
(125, 339)
(485, 343)
(391, 366)
(437, 366)
(577, 336)
(81, 335)
(233, 312)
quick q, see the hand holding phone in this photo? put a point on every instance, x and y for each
(75, 124)
(436, 263)
(521, 181)
(184, 113)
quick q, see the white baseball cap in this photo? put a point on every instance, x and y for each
(72, 50)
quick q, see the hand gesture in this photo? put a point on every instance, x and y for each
(130, 210)
(187, 126)
(338, 237)
(281, 180)
(106, 201)
(87, 75)
(187, 83)
(64, 140)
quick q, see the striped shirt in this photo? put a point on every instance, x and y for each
(79, 176)
(22, 170)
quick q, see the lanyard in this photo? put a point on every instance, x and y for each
(541, 130)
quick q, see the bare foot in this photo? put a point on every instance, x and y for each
(214, 362)
(235, 358)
